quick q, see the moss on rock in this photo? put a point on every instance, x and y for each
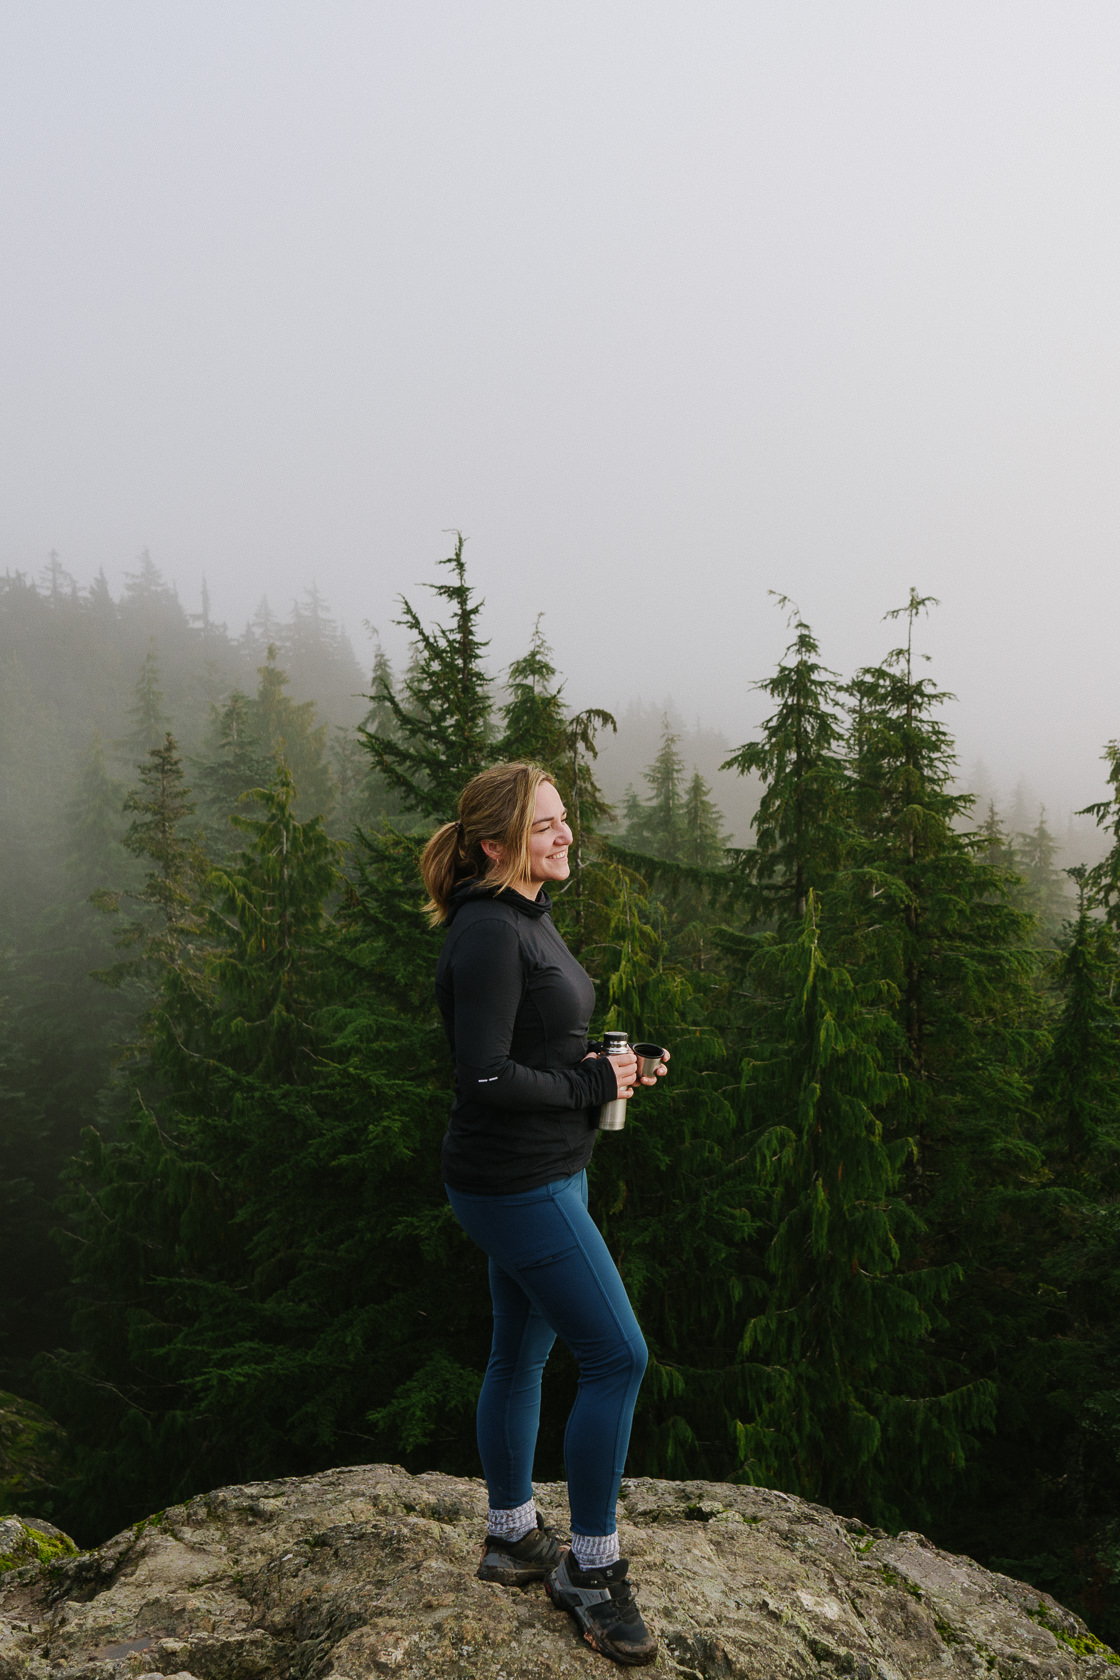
(30, 1540)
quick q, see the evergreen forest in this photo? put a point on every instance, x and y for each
(870, 1223)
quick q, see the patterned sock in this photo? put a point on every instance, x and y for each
(515, 1524)
(595, 1551)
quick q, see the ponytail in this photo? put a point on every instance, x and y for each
(443, 864)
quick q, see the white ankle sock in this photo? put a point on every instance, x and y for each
(595, 1551)
(515, 1524)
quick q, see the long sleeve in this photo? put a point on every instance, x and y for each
(488, 983)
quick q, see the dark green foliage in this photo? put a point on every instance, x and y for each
(160, 931)
(1076, 1087)
(1104, 879)
(56, 1033)
(657, 824)
(290, 735)
(679, 822)
(234, 762)
(675, 839)
(675, 1196)
(67, 662)
(538, 729)
(703, 840)
(836, 1356)
(534, 726)
(442, 715)
(927, 913)
(365, 799)
(249, 737)
(1045, 893)
(256, 1239)
(802, 817)
(1048, 1484)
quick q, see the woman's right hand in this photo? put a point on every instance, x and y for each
(625, 1072)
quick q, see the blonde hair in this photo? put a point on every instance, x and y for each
(498, 804)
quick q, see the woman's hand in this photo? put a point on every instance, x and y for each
(661, 1071)
(625, 1068)
(626, 1071)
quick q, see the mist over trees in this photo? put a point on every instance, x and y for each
(870, 1222)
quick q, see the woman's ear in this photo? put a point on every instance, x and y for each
(493, 849)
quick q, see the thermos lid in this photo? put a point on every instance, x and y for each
(615, 1041)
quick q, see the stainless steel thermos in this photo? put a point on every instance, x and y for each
(612, 1115)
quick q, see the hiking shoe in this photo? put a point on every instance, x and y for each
(606, 1611)
(513, 1563)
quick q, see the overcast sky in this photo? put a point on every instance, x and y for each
(664, 305)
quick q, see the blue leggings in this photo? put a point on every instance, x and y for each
(551, 1275)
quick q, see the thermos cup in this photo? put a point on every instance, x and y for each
(650, 1058)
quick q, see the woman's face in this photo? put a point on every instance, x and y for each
(549, 838)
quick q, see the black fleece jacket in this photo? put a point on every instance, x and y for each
(516, 1006)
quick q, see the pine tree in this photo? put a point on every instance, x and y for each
(802, 818)
(167, 1198)
(58, 1033)
(657, 823)
(319, 658)
(998, 850)
(534, 725)
(165, 919)
(233, 763)
(675, 1196)
(704, 840)
(264, 630)
(368, 801)
(537, 728)
(149, 720)
(150, 607)
(925, 912)
(1045, 893)
(1044, 1496)
(834, 1357)
(1103, 879)
(443, 717)
(100, 604)
(675, 841)
(289, 734)
(1077, 1082)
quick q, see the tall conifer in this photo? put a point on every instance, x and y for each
(443, 712)
(835, 1356)
(802, 817)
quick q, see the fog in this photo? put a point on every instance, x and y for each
(663, 306)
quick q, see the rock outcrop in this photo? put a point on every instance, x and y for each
(369, 1571)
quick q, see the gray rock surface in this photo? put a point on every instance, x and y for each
(369, 1571)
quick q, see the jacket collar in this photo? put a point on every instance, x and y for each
(471, 890)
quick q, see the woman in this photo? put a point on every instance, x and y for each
(516, 1006)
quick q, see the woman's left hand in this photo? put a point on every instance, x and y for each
(661, 1071)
